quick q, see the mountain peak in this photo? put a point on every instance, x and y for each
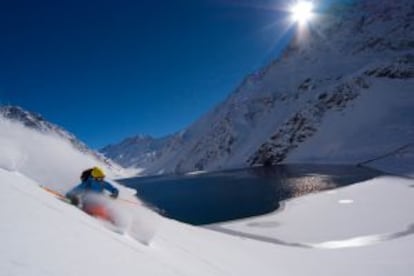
(29, 119)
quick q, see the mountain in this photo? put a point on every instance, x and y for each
(136, 151)
(340, 93)
(38, 123)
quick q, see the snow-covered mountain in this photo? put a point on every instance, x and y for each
(341, 93)
(137, 151)
(37, 122)
(45, 152)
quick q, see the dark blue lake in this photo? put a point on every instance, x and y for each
(228, 195)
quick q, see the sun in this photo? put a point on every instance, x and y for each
(302, 12)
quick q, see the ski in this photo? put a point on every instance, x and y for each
(56, 194)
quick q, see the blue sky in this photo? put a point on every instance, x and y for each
(106, 70)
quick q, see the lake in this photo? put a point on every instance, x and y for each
(228, 195)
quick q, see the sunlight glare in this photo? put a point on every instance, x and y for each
(302, 12)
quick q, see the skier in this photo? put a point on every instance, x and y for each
(84, 194)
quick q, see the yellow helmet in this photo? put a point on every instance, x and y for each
(97, 173)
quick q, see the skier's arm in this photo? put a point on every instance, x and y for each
(76, 190)
(114, 191)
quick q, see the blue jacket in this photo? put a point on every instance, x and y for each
(92, 185)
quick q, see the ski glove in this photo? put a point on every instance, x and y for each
(115, 194)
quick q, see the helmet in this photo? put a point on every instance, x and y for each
(97, 173)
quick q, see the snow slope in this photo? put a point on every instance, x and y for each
(44, 236)
(399, 162)
(386, 127)
(365, 229)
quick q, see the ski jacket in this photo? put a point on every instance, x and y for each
(92, 185)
